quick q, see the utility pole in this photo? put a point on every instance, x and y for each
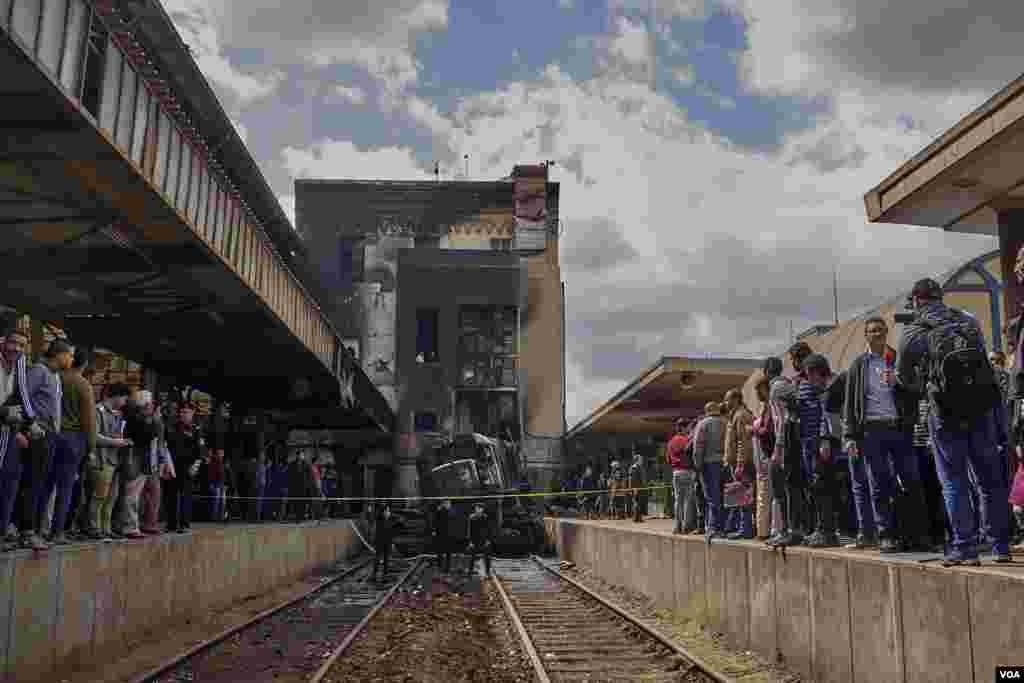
(835, 293)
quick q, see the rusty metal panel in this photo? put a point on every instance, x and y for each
(73, 59)
(111, 88)
(126, 115)
(142, 108)
(25, 22)
(51, 34)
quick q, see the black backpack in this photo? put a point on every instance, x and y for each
(962, 383)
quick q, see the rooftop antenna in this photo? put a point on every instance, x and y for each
(466, 159)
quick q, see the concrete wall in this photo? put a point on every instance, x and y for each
(78, 605)
(831, 616)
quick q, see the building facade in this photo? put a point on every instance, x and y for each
(492, 245)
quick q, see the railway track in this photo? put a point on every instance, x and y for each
(296, 641)
(572, 634)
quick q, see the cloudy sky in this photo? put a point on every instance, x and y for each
(713, 154)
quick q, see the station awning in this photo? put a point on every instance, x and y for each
(674, 386)
(964, 178)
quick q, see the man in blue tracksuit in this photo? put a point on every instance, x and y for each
(966, 425)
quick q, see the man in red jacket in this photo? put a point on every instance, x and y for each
(683, 474)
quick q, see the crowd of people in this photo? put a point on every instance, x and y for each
(126, 466)
(915, 449)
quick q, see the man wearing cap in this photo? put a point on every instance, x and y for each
(820, 450)
(965, 423)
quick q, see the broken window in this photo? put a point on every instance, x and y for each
(426, 335)
(488, 348)
(494, 413)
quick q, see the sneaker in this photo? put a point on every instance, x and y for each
(889, 545)
(864, 542)
(739, 536)
(1003, 558)
(697, 532)
(131, 535)
(773, 540)
(959, 562)
(984, 547)
(34, 542)
(820, 539)
(677, 532)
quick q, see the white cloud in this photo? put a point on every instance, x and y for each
(632, 43)
(352, 93)
(684, 74)
(715, 248)
(343, 159)
(378, 36)
(194, 21)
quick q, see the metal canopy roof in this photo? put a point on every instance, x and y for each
(651, 402)
(960, 181)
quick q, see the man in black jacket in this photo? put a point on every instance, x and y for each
(186, 453)
(480, 538)
(383, 537)
(443, 535)
(878, 423)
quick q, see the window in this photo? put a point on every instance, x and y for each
(111, 87)
(126, 116)
(51, 37)
(426, 335)
(163, 147)
(142, 108)
(94, 63)
(488, 346)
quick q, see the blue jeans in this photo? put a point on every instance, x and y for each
(68, 451)
(683, 482)
(976, 448)
(10, 478)
(882, 450)
(711, 480)
(217, 502)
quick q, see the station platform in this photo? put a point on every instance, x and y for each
(832, 615)
(77, 604)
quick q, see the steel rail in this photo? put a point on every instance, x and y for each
(697, 662)
(513, 614)
(176, 661)
(361, 626)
